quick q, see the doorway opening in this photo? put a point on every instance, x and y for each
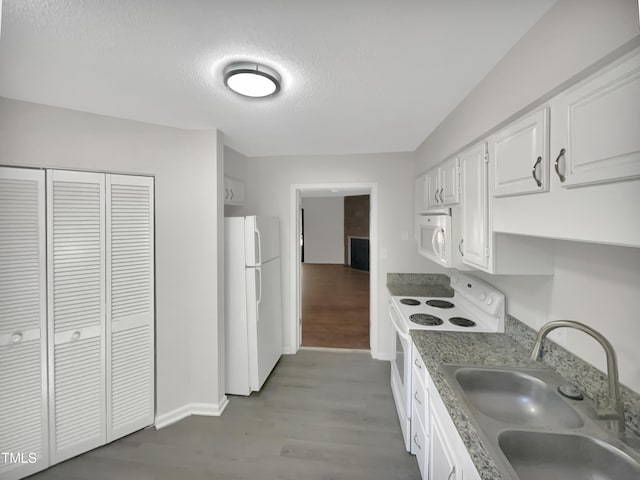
(336, 298)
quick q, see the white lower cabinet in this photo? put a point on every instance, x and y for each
(441, 465)
(419, 413)
(439, 450)
(76, 314)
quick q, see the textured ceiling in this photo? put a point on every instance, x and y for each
(358, 76)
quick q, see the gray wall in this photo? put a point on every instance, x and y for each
(595, 284)
(323, 229)
(185, 165)
(270, 194)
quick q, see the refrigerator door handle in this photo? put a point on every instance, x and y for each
(258, 247)
(259, 286)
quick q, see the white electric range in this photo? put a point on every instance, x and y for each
(475, 306)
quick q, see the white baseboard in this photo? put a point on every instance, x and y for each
(206, 409)
(336, 350)
(388, 356)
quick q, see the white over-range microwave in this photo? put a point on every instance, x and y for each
(435, 238)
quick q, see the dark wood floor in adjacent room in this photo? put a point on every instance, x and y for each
(320, 416)
(335, 306)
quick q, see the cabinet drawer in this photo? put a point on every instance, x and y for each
(420, 447)
(418, 365)
(419, 400)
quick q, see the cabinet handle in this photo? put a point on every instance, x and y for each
(415, 440)
(460, 247)
(533, 171)
(453, 472)
(435, 196)
(415, 395)
(226, 194)
(415, 362)
(231, 192)
(441, 196)
(557, 165)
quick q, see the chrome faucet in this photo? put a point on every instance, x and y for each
(614, 410)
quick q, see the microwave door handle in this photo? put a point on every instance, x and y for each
(434, 236)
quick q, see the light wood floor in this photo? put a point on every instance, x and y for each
(335, 306)
(320, 416)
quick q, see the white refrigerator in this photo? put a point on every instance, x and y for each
(253, 302)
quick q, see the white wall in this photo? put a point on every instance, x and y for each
(271, 180)
(323, 229)
(573, 35)
(185, 165)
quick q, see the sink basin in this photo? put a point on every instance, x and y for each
(516, 398)
(537, 455)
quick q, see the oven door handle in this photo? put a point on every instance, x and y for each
(392, 314)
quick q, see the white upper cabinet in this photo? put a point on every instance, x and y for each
(594, 184)
(474, 244)
(432, 180)
(450, 182)
(233, 191)
(421, 194)
(597, 127)
(520, 156)
(442, 185)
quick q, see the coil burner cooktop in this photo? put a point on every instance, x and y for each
(475, 307)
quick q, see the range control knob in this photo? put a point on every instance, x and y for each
(489, 301)
(454, 279)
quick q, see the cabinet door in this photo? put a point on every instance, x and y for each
(23, 375)
(475, 235)
(76, 286)
(227, 194)
(236, 192)
(520, 156)
(441, 464)
(421, 194)
(597, 126)
(450, 182)
(433, 192)
(130, 304)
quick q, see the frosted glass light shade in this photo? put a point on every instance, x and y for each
(252, 80)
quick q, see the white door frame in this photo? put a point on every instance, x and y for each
(294, 324)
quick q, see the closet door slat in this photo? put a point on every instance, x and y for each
(23, 323)
(130, 304)
(76, 284)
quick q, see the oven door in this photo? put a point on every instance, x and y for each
(401, 375)
(434, 239)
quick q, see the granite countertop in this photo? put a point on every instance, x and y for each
(509, 349)
(419, 285)
(487, 349)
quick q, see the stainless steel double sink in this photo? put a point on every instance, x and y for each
(533, 432)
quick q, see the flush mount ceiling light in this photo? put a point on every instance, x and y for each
(252, 79)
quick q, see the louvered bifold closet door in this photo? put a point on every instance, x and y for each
(76, 274)
(23, 317)
(130, 304)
